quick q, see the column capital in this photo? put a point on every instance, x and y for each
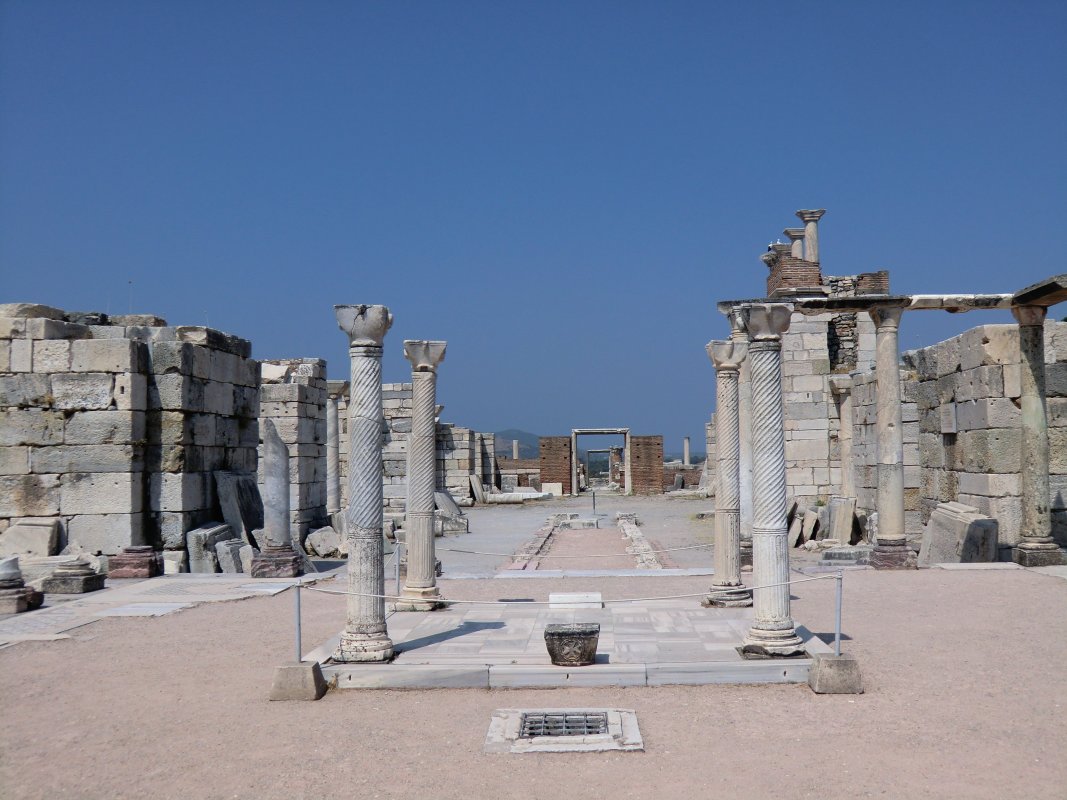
(424, 355)
(726, 354)
(811, 214)
(769, 258)
(794, 234)
(767, 321)
(1029, 315)
(738, 329)
(364, 325)
(841, 384)
(887, 316)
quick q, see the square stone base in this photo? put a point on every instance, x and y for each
(897, 556)
(133, 565)
(287, 564)
(13, 601)
(830, 674)
(302, 681)
(1037, 558)
(78, 584)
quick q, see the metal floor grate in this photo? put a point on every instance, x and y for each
(576, 724)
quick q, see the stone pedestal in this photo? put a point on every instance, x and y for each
(134, 562)
(420, 591)
(891, 550)
(727, 589)
(76, 577)
(365, 637)
(277, 562)
(772, 632)
(15, 596)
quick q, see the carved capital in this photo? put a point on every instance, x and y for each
(841, 384)
(738, 331)
(811, 214)
(887, 316)
(424, 355)
(1029, 315)
(794, 234)
(726, 354)
(364, 325)
(767, 321)
(770, 259)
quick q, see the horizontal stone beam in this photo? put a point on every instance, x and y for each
(1044, 293)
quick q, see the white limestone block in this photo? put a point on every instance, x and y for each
(104, 427)
(29, 495)
(105, 533)
(101, 493)
(51, 356)
(37, 538)
(107, 355)
(78, 391)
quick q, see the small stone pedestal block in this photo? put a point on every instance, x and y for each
(76, 577)
(134, 562)
(893, 554)
(276, 561)
(1038, 558)
(13, 597)
(832, 674)
(719, 598)
(298, 681)
(572, 645)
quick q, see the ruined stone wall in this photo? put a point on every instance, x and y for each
(555, 461)
(691, 475)
(646, 463)
(519, 471)
(114, 425)
(865, 448)
(293, 396)
(970, 448)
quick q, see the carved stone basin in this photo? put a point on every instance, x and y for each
(572, 645)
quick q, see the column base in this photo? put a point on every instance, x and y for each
(73, 578)
(361, 647)
(893, 554)
(759, 642)
(1037, 556)
(419, 599)
(738, 597)
(746, 554)
(277, 562)
(13, 601)
(133, 562)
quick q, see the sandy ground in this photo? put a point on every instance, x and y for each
(964, 670)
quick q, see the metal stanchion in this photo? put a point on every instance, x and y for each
(837, 625)
(299, 654)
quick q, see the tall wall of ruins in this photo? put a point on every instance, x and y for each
(556, 461)
(293, 396)
(646, 464)
(969, 424)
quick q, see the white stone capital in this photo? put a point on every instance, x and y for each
(364, 325)
(1029, 315)
(767, 321)
(424, 355)
(887, 316)
(841, 384)
(810, 214)
(726, 354)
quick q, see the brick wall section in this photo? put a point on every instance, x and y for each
(691, 474)
(293, 396)
(970, 383)
(555, 461)
(793, 273)
(524, 469)
(646, 462)
(873, 282)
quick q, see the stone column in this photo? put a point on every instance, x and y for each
(744, 419)
(276, 558)
(727, 357)
(515, 449)
(333, 458)
(796, 241)
(891, 550)
(772, 630)
(1036, 547)
(685, 451)
(420, 587)
(841, 386)
(810, 218)
(365, 637)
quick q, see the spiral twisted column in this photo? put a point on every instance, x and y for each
(420, 591)
(727, 357)
(772, 631)
(365, 637)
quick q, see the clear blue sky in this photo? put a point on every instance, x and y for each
(562, 190)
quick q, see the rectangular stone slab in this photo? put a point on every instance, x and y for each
(242, 506)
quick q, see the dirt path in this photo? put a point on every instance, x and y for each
(583, 548)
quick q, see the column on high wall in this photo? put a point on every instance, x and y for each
(841, 386)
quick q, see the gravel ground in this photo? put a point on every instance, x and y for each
(965, 697)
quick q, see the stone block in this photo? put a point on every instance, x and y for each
(174, 392)
(105, 533)
(75, 577)
(105, 427)
(1012, 381)
(25, 390)
(277, 562)
(20, 355)
(990, 412)
(184, 491)
(14, 460)
(213, 339)
(241, 503)
(228, 554)
(108, 355)
(958, 533)
(218, 398)
(130, 392)
(31, 538)
(101, 493)
(82, 390)
(247, 554)
(87, 458)
(833, 674)
(51, 356)
(1056, 380)
(24, 311)
(991, 450)
(30, 426)
(989, 484)
(200, 544)
(174, 562)
(989, 344)
(298, 681)
(138, 561)
(29, 495)
(325, 543)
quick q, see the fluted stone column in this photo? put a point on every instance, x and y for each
(727, 357)
(841, 386)
(420, 587)
(891, 550)
(810, 218)
(772, 631)
(333, 457)
(365, 637)
(744, 418)
(1036, 547)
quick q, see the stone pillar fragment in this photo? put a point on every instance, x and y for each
(810, 218)
(796, 241)
(1036, 547)
(515, 449)
(333, 457)
(727, 357)
(841, 386)
(365, 637)
(772, 631)
(276, 558)
(685, 451)
(420, 591)
(891, 550)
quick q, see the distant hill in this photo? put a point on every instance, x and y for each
(529, 443)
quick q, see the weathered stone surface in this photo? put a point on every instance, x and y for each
(957, 533)
(298, 681)
(101, 493)
(25, 389)
(82, 391)
(228, 554)
(276, 522)
(138, 561)
(325, 543)
(842, 514)
(277, 562)
(832, 674)
(174, 562)
(75, 577)
(30, 426)
(29, 495)
(105, 533)
(30, 310)
(247, 554)
(809, 525)
(88, 458)
(200, 544)
(240, 501)
(108, 355)
(105, 427)
(31, 539)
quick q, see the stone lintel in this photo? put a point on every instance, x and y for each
(958, 303)
(1043, 293)
(867, 302)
